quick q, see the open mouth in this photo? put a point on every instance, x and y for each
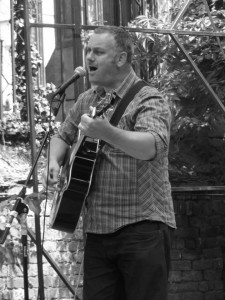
(92, 68)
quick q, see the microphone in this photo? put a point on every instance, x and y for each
(78, 72)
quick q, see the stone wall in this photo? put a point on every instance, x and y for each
(198, 254)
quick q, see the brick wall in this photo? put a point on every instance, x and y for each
(198, 254)
(63, 250)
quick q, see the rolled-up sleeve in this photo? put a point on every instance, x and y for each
(153, 115)
(68, 130)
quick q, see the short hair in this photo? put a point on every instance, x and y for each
(122, 37)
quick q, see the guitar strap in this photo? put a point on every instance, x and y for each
(129, 96)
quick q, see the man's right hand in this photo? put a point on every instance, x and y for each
(50, 175)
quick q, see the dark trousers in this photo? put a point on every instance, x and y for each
(131, 264)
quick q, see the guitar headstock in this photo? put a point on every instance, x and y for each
(110, 101)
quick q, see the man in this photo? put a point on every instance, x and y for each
(129, 207)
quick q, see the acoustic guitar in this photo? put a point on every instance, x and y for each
(74, 181)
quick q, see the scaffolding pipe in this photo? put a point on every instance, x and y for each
(143, 30)
(30, 106)
(1, 98)
(13, 56)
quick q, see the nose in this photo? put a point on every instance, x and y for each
(90, 56)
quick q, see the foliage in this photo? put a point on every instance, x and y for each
(198, 129)
(15, 126)
(14, 130)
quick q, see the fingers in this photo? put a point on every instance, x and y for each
(50, 178)
(92, 111)
(81, 128)
(49, 185)
(93, 127)
(84, 123)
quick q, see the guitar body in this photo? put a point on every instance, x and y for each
(73, 186)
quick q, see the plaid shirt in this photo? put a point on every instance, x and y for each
(126, 190)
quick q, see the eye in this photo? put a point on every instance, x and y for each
(99, 52)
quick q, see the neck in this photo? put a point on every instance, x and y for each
(119, 79)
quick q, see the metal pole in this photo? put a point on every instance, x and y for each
(30, 106)
(39, 33)
(136, 29)
(13, 56)
(1, 98)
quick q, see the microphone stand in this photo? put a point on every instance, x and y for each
(21, 210)
(23, 223)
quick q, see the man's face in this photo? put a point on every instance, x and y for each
(101, 60)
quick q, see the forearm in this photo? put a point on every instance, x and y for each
(140, 145)
(57, 150)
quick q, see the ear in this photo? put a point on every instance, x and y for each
(121, 59)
